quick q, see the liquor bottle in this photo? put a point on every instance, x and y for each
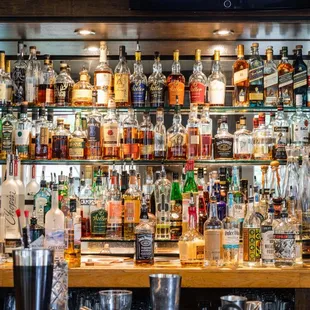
(191, 243)
(103, 77)
(144, 238)
(193, 134)
(132, 206)
(2, 79)
(263, 140)
(206, 134)
(160, 136)
(285, 71)
(223, 142)
(176, 137)
(217, 83)
(300, 78)
(299, 125)
(77, 141)
(256, 77)
(60, 141)
(19, 74)
(231, 234)
(42, 136)
(197, 81)
(115, 209)
(82, 91)
(251, 235)
(36, 235)
(138, 82)
(203, 200)
(94, 135)
(243, 141)
(111, 133)
(275, 190)
(9, 84)
(42, 201)
(176, 208)
(32, 78)
(222, 197)
(162, 193)
(146, 138)
(241, 79)
(63, 87)
(73, 236)
(271, 86)
(213, 227)
(281, 132)
(32, 188)
(122, 80)
(22, 133)
(176, 82)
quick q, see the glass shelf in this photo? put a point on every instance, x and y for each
(99, 239)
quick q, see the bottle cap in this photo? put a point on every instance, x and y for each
(217, 55)
(200, 173)
(55, 187)
(240, 50)
(242, 120)
(157, 56)
(190, 165)
(175, 176)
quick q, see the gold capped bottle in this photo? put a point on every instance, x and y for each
(82, 90)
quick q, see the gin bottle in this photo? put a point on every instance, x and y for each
(206, 134)
(160, 138)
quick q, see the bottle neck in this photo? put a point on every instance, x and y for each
(192, 218)
(176, 67)
(103, 56)
(177, 118)
(213, 210)
(157, 67)
(216, 66)
(138, 67)
(55, 203)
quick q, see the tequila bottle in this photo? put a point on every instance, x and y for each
(193, 134)
(60, 141)
(160, 138)
(42, 136)
(63, 87)
(82, 90)
(94, 135)
(176, 208)
(206, 134)
(271, 89)
(243, 141)
(241, 79)
(146, 133)
(223, 142)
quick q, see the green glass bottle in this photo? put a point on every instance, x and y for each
(176, 208)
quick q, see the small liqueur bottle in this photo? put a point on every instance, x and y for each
(285, 71)
(42, 136)
(63, 87)
(251, 235)
(176, 208)
(217, 83)
(176, 137)
(243, 141)
(197, 81)
(146, 133)
(82, 90)
(144, 238)
(160, 136)
(176, 82)
(103, 77)
(60, 141)
(193, 134)
(191, 243)
(241, 79)
(223, 142)
(36, 236)
(130, 128)
(271, 87)
(205, 134)
(138, 82)
(300, 77)
(256, 77)
(122, 80)
(157, 84)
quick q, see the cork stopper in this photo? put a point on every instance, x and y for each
(242, 121)
(216, 55)
(275, 164)
(138, 55)
(256, 45)
(198, 54)
(240, 50)
(176, 54)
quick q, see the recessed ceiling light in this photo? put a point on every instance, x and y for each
(223, 32)
(92, 49)
(84, 32)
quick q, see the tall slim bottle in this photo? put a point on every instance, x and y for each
(32, 188)
(206, 134)
(176, 208)
(160, 137)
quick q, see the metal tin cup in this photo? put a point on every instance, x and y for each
(33, 277)
(115, 299)
(165, 291)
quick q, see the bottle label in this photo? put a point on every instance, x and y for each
(284, 246)
(160, 142)
(7, 136)
(231, 238)
(40, 204)
(93, 131)
(103, 85)
(267, 244)
(157, 93)
(191, 250)
(22, 140)
(38, 243)
(281, 140)
(251, 244)
(131, 211)
(2, 92)
(121, 85)
(217, 93)
(300, 79)
(63, 93)
(76, 147)
(244, 145)
(44, 135)
(271, 88)
(241, 76)
(213, 244)
(77, 235)
(144, 246)
(271, 80)
(85, 204)
(178, 145)
(49, 95)
(285, 79)
(30, 89)
(82, 94)
(18, 76)
(197, 91)
(176, 88)
(110, 135)
(55, 240)
(256, 74)
(223, 148)
(300, 133)
(115, 211)
(9, 203)
(256, 92)
(98, 222)
(138, 92)
(146, 149)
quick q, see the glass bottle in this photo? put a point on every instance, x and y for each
(206, 134)
(243, 141)
(271, 87)
(160, 138)
(103, 77)
(251, 235)
(217, 83)
(157, 84)
(176, 208)
(31, 189)
(130, 128)
(138, 82)
(82, 91)
(60, 141)
(122, 80)
(176, 137)
(9, 84)
(63, 86)
(36, 234)
(308, 84)
(197, 81)
(223, 142)
(193, 134)
(203, 199)
(256, 77)
(2, 79)
(146, 133)
(300, 78)
(241, 79)
(213, 235)
(176, 82)
(275, 190)
(285, 71)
